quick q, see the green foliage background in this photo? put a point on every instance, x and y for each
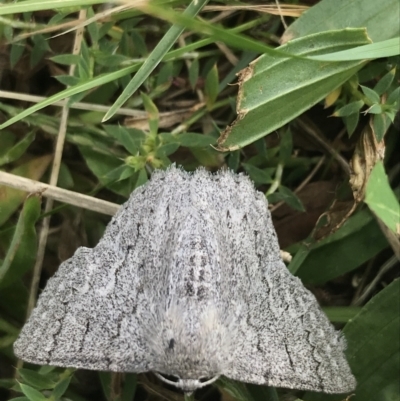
(318, 137)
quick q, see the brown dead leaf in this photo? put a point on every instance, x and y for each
(287, 10)
(293, 226)
(333, 219)
(367, 153)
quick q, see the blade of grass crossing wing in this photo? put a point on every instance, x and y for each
(154, 58)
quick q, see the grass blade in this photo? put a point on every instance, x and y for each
(386, 48)
(154, 58)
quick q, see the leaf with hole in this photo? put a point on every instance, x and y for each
(338, 14)
(271, 95)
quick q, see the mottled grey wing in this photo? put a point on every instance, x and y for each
(89, 315)
(283, 338)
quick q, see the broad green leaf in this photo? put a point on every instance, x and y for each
(21, 254)
(192, 140)
(301, 255)
(291, 198)
(285, 146)
(167, 149)
(211, 86)
(384, 83)
(129, 387)
(349, 109)
(394, 98)
(46, 369)
(327, 15)
(194, 73)
(154, 58)
(61, 388)
(258, 175)
(358, 240)
(17, 49)
(351, 122)
(341, 314)
(37, 380)
(380, 123)
(41, 46)
(101, 165)
(68, 80)
(373, 349)
(106, 384)
(375, 109)
(235, 389)
(32, 394)
(381, 198)
(152, 113)
(262, 393)
(273, 90)
(14, 299)
(8, 328)
(66, 59)
(130, 138)
(142, 178)
(17, 150)
(118, 174)
(7, 383)
(370, 94)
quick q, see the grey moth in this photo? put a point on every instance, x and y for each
(188, 282)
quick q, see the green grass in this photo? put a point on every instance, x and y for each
(154, 85)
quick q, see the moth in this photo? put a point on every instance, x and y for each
(188, 282)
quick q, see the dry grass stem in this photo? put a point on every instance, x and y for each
(304, 182)
(59, 194)
(288, 10)
(313, 131)
(77, 105)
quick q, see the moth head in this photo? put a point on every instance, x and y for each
(186, 385)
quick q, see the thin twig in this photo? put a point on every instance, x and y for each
(59, 194)
(311, 129)
(385, 268)
(304, 182)
(281, 14)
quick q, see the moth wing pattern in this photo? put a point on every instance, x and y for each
(188, 281)
(283, 338)
(88, 316)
